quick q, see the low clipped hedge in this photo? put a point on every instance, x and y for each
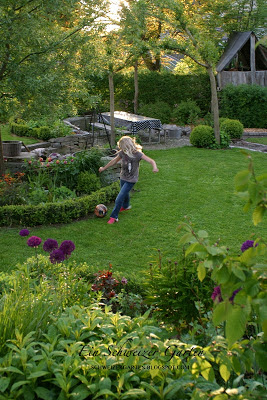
(56, 213)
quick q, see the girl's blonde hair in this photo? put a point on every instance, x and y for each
(128, 145)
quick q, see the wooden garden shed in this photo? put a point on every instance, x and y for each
(242, 61)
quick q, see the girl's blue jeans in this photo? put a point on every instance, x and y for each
(123, 198)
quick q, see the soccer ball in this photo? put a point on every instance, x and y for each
(100, 210)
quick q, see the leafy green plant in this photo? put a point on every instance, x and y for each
(87, 183)
(186, 112)
(128, 303)
(170, 285)
(253, 189)
(202, 136)
(232, 127)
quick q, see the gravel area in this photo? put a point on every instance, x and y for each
(184, 141)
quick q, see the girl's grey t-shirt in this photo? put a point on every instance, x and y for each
(130, 166)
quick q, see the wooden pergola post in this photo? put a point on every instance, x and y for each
(252, 58)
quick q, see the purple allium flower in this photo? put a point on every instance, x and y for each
(57, 256)
(216, 295)
(234, 293)
(50, 245)
(24, 232)
(124, 281)
(247, 244)
(67, 247)
(34, 241)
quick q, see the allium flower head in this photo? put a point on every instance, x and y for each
(67, 247)
(124, 281)
(50, 245)
(247, 244)
(34, 241)
(24, 232)
(216, 295)
(57, 256)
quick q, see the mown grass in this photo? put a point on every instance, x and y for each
(7, 135)
(198, 183)
(261, 140)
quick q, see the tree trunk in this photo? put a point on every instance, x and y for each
(136, 88)
(2, 162)
(111, 98)
(214, 104)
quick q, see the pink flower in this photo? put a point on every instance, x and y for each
(41, 159)
(49, 159)
(65, 162)
(72, 160)
(30, 162)
(48, 165)
(57, 162)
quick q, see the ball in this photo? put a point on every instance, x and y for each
(100, 210)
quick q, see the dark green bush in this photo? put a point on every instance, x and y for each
(44, 133)
(160, 110)
(163, 86)
(87, 183)
(173, 289)
(20, 129)
(54, 213)
(186, 112)
(247, 103)
(232, 127)
(202, 136)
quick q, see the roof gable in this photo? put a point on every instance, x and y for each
(236, 41)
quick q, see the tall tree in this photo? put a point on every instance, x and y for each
(33, 35)
(196, 29)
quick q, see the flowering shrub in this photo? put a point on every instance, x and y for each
(105, 282)
(12, 189)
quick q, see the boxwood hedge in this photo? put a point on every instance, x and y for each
(56, 213)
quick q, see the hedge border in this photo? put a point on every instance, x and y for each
(56, 213)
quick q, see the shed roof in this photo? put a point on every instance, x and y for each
(236, 41)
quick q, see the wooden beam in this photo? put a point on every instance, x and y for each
(252, 59)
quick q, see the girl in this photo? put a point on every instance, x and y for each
(130, 155)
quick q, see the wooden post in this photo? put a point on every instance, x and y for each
(2, 161)
(252, 59)
(136, 90)
(111, 96)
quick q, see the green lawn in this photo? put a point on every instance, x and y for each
(261, 140)
(198, 183)
(6, 135)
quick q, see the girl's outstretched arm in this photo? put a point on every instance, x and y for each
(109, 164)
(151, 161)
